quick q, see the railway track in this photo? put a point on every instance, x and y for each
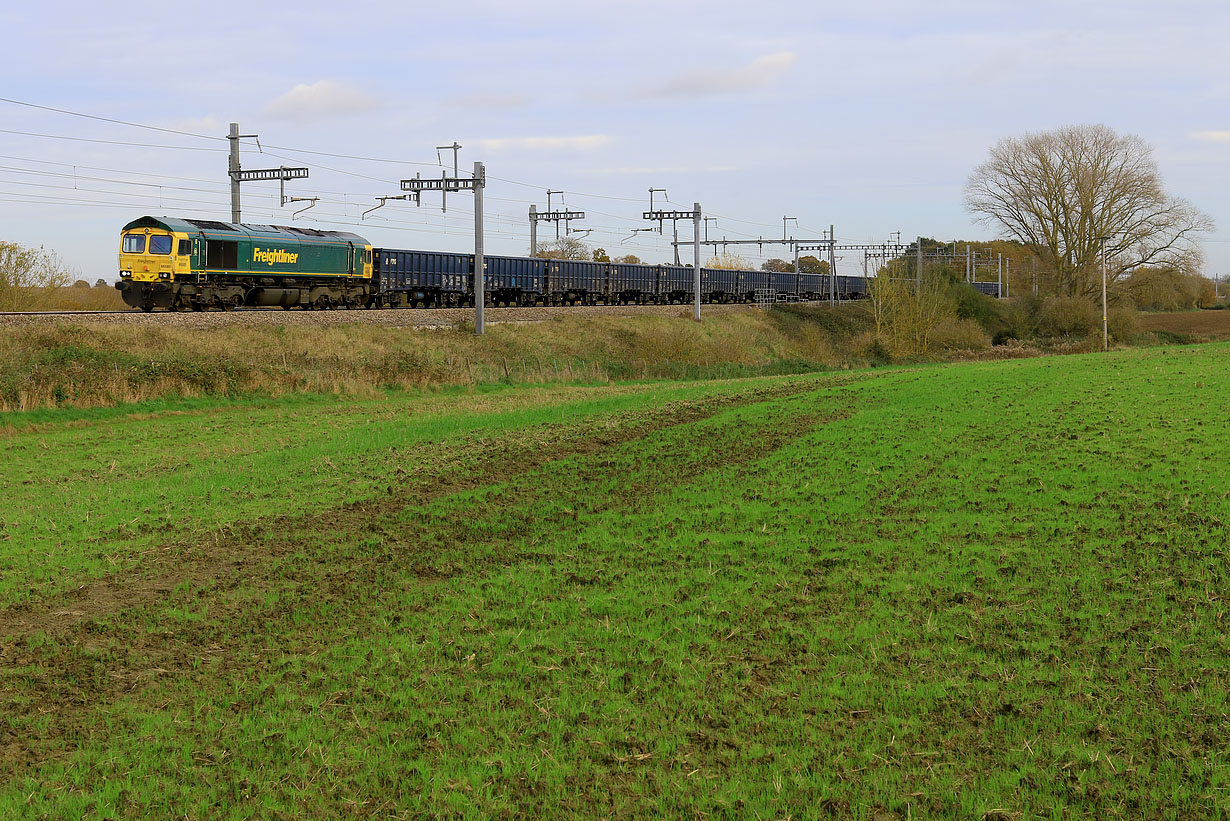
(396, 317)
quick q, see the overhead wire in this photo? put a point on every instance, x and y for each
(601, 230)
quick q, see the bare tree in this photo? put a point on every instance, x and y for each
(1064, 192)
(906, 316)
(564, 248)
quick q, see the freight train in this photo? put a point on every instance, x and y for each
(196, 265)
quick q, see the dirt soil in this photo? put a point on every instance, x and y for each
(1204, 324)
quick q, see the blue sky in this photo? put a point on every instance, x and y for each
(868, 116)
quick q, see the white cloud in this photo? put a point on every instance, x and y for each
(761, 72)
(582, 143)
(1212, 136)
(321, 100)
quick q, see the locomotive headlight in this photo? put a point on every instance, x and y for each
(164, 275)
(125, 274)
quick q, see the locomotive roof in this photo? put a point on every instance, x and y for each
(195, 226)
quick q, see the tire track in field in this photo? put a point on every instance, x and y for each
(101, 650)
(239, 549)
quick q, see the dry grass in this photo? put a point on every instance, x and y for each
(91, 364)
(97, 364)
(56, 298)
(96, 298)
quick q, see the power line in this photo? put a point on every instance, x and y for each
(291, 150)
(105, 142)
(109, 120)
(359, 158)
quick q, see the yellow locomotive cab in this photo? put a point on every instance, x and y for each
(154, 255)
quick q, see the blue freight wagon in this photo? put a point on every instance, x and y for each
(575, 282)
(423, 278)
(631, 283)
(515, 280)
(719, 284)
(783, 282)
(855, 287)
(750, 282)
(813, 286)
(675, 283)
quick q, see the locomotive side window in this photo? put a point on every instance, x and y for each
(134, 243)
(185, 247)
(221, 255)
(160, 245)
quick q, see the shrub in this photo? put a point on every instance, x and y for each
(953, 334)
(1068, 316)
(1122, 323)
(972, 304)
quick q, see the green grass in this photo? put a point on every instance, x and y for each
(990, 590)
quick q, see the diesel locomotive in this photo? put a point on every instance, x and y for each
(183, 264)
(190, 264)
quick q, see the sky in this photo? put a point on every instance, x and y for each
(866, 116)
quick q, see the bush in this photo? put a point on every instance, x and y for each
(1123, 324)
(1068, 316)
(959, 335)
(971, 303)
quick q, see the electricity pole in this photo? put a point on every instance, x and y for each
(696, 215)
(832, 266)
(476, 183)
(537, 216)
(233, 172)
(674, 216)
(238, 175)
(1105, 318)
(918, 268)
(480, 264)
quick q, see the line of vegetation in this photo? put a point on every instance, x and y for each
(91, 365)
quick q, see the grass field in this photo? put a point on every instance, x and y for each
(990, 590)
